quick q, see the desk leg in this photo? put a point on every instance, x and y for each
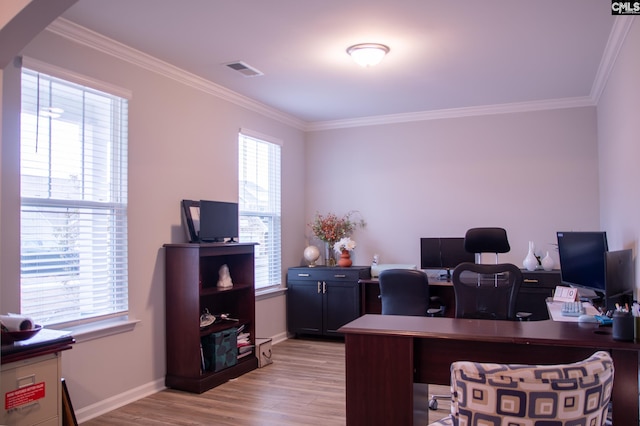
(379, 380)
(625, 388)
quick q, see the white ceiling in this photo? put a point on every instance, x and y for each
(444, 55)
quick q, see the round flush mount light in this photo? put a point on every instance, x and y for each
(368, 54)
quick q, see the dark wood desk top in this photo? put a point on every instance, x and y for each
(547, 332)
(431, 282)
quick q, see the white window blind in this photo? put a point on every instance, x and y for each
(73, 169)
(259, 205)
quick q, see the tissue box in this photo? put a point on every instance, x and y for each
(376, 269)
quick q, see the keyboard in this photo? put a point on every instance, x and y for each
(572, 309)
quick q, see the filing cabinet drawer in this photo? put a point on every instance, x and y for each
(31, 391)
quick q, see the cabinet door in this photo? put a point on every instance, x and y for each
(342, 305)
(304, 307)
(537, 286)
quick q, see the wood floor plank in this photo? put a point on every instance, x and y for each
(305, 385)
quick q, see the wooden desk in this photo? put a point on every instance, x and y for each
(386, 354)
(536, 287)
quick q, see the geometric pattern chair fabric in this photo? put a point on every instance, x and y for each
(531, 395)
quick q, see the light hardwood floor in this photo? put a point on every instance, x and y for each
(305, 385)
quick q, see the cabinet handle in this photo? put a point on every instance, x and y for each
(339, 276)
(319, 287)
(324, 287)
(304, 275)
(26, 407)
(528, 280)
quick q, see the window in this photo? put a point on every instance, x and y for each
(73, 217)
(259, 205)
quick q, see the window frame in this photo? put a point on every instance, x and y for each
(274, 265)
(116, 320)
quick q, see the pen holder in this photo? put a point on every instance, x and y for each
(623, 326)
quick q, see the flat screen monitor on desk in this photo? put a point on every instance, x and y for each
(582, 262)
(443, 254)
(620, 278)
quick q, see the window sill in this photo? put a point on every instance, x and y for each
(268, 293)
(97, 330)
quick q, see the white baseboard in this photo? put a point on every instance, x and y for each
(117, 401)
(279, 337)
(99, 408)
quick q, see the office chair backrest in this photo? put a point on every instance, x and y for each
(404, 292)
(576, 393)
(486, 240)
(486, 291)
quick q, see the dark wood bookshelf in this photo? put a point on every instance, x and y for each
(191, 277)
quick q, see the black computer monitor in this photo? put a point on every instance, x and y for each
(582, 261)
(218, 221)
(620, 278)
(443, 254)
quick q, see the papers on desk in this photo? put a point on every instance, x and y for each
(555, 311)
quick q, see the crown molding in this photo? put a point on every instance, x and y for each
(94, 40)
(84, 36)
(618, 34)
(454, 113)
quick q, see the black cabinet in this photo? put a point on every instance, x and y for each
(536, 287)
(322, 299)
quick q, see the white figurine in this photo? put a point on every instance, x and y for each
(224, 278)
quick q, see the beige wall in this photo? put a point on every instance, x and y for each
(182, 144)
(532, 173)
(619, 149)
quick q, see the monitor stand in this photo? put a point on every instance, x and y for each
(586, 294)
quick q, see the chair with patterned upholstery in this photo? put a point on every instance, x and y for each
(514, 394)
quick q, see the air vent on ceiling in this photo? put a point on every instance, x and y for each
(244, 69)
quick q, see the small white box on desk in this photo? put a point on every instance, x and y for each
(565, 294)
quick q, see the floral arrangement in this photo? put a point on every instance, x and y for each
(331, 228)
(345, 243)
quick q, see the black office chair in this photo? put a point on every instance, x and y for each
(486, 240)
(405, 292)
(487, 291)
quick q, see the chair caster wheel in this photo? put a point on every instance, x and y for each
(433, 404)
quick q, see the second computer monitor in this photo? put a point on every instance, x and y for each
(620, 278)
(443, 254)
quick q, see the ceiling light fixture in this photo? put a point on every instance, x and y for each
(368, 54)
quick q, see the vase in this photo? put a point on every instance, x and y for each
(547, 263)
(345, 259)
(330, 255)
(530, 262)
